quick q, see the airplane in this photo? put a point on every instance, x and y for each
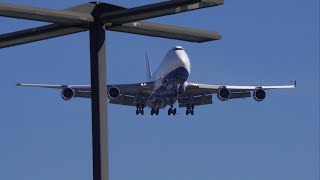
(165, 87)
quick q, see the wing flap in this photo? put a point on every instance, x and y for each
(196, 100)
(83, 94)
(128, 100)
(237, 95)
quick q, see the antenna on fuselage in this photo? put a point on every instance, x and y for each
(149, 72)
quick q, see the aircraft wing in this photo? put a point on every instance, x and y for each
(201, 94)
(130, 94)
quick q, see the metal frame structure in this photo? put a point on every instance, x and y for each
(96, 18)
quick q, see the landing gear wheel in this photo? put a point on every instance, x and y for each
(174, 112)
(169, 111)
(140, 109)
(192, 112)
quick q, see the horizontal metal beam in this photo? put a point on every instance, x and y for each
(37, 34)
(156, 10)
(47, 31)
(43, 14)
(118, 13)
(140, 27)
(167, 31)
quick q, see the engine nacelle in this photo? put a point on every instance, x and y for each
(67, 94)
(114, 92)
(223, 93)
(259, 94)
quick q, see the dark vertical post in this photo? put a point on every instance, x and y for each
(99, 101)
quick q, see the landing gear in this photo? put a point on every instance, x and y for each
(172, 111)
(140, 109)
(154, 111)
(190, 109)
(179, 89)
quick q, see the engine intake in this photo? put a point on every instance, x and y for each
(259, 94)
(114, 92)
(67, 94)
(223, 93)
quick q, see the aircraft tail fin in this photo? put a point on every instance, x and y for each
(149, 72)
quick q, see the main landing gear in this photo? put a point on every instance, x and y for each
(154, 111)
(172, 111)
(140, 109)
(190, 109)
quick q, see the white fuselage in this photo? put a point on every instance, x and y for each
(170, 78)
(172, 60)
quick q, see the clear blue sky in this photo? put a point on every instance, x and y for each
(264, 42)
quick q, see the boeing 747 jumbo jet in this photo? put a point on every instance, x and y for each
(165, 87)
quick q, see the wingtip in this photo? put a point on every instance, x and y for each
(18, 84)
(295, 83)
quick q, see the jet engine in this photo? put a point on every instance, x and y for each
(67, 93)
(259, 94)
(114, 92)
(223, 93)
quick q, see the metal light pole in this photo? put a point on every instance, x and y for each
(99, 101)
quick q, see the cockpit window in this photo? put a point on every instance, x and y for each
(177, 49)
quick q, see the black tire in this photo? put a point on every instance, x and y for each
(192, 112)
(137, 112)
(142, 112)
(174, 111)
(187, 112)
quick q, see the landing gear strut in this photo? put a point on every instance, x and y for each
(140, 109)
(190, 109)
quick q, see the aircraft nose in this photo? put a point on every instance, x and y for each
(182, 57)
